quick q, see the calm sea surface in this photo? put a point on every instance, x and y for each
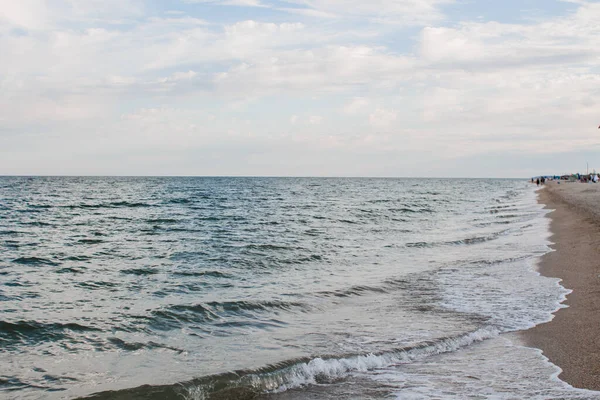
(273, 288)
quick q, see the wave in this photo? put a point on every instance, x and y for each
(381, 201)
(14, 333)
(96, 285)
(509, 216)
(210, 218)
(77, 258)
(236, 306)
(486, 224)
(299, 260)
(9, 233)
(408, 210)
(466, 241)
(118, 218)
(115, 204)
(162, 221)
(90, 241)
(500, 207)
(35, 261)
(474, 239)
(40, 206)
(12, 383)
(140, 271)
(69, 270)
(420, 244)
(224, 314)
(179, 201)
(36, 223)
(290, 374)
(495, 261)
(214, 274)
(271, 247)
(353, 291)
(127, 204)
(134, 346)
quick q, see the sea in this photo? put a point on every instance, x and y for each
(274, 288)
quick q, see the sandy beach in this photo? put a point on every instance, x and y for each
(572, 339)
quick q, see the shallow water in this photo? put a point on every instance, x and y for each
(272, 287)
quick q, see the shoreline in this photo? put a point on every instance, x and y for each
(572, 339)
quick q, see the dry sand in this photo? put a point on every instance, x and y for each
(572, 339)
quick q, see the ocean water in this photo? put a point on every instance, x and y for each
(273, 288)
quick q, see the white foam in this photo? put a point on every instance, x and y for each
(327, 370)
(495, 369)
(194, 393)
(512, 294)
(331, 369)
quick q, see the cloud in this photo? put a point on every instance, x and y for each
(179, 76)
(28, 14)
(243, 3)
(315, 120)
(382, 118)
(401, 12)
(96, 72)
(333, 68)
(491, 45)
(38, 15)
(309, 12)
(356, 106)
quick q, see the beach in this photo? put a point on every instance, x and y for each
(571, 339)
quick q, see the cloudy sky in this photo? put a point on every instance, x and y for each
(495, 88)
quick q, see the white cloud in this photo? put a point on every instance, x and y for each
(404, 12)
(179, 76)
(382, 118)
(333, 68)
(309, 12)
(566, 40)
(315, 120)
(244, 3)
(28, 14)
(468, 87)
(45, 14)
(356, 106)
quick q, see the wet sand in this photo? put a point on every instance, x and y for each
(572, 339)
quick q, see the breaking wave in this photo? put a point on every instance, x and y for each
(290, 374)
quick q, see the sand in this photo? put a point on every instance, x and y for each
(572, 339)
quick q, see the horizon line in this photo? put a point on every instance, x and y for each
(262, 176)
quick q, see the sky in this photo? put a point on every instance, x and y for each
(395, 88)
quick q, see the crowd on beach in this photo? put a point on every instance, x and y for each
(583, 178)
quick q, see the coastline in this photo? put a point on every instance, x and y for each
(572, 339)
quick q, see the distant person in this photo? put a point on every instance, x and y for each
(543, 180)
(537, 181)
